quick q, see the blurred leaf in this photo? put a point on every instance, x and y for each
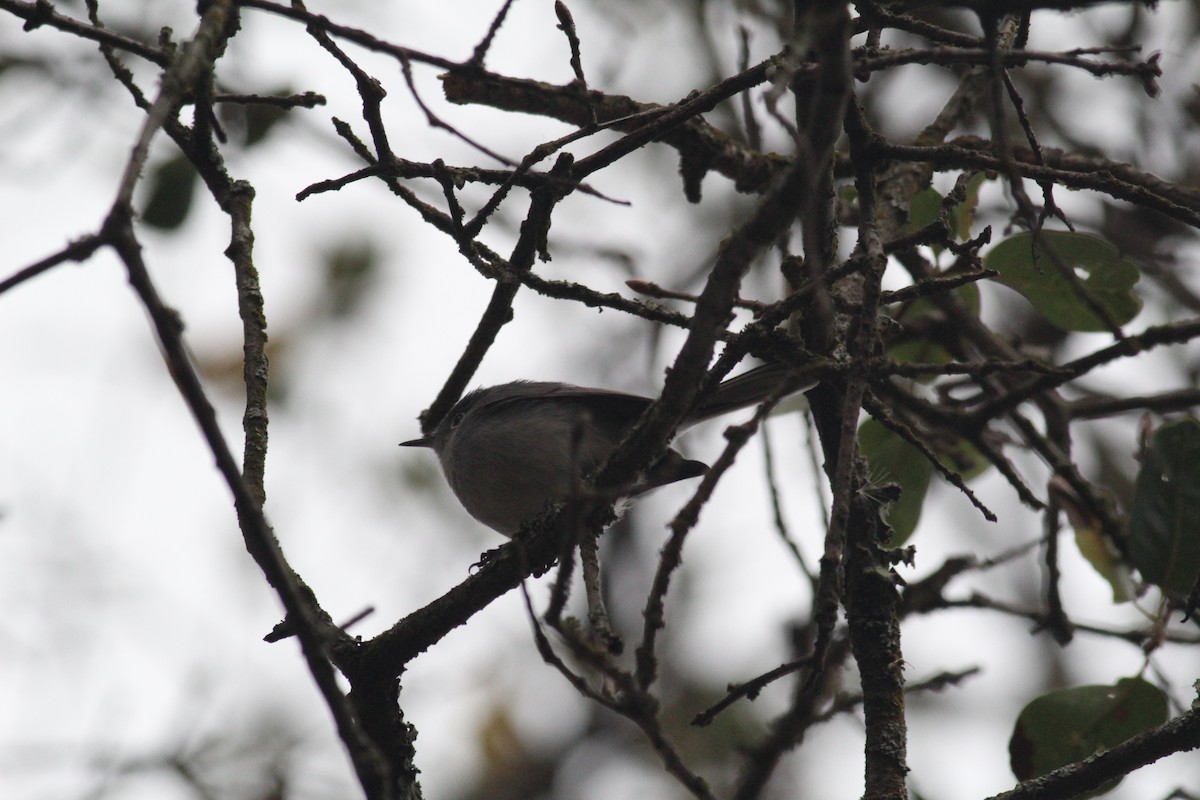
(964, 212)
(1069, 725)
(224, 368)
(261, 118)
(926, 332)
(965, 459)
(1096, 548)
(1164, 525)
(1093, 545)
(893, 459)
(511, 767)
(252, 122)
(171, 186)
(1026, 266)
(420, 474)
(349, 275)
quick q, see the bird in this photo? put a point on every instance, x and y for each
(507, 451)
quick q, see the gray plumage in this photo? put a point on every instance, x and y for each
(508, 450)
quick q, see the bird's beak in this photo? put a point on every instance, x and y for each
(424, 441)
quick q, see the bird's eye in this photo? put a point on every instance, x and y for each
(457, 419)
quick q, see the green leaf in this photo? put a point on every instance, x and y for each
(964, 212)
(1107, 561)
(171, 185)
(1093, 543)
(924, 209)
(1069, 725)
(1164, 524)
(925, 329)
(1027, 265)
(926, 206)
(893, 459)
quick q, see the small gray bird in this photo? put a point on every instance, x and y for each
(508, 450)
